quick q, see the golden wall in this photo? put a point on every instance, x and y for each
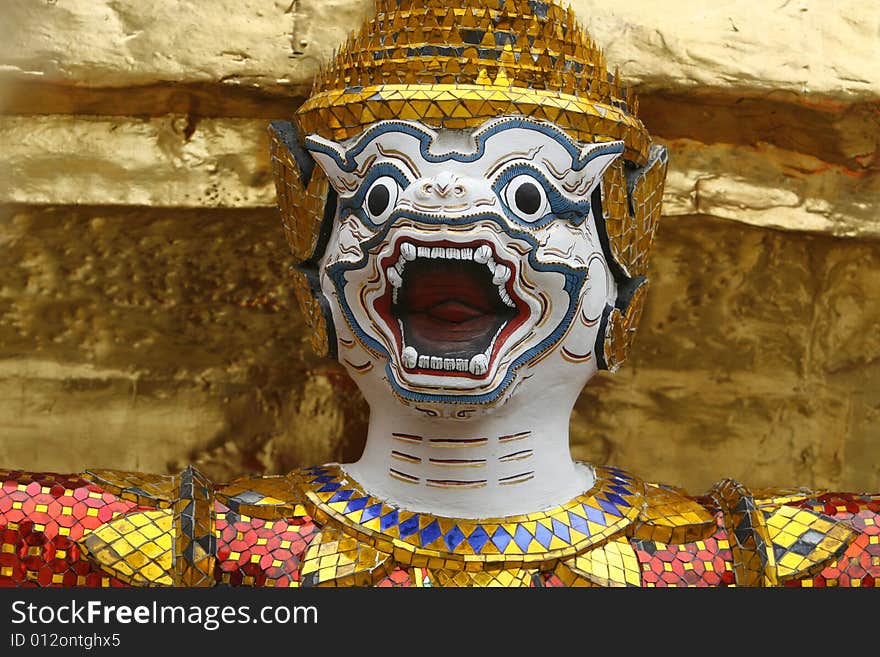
(145, 317)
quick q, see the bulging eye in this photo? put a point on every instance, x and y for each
(526, 198)
(381, 198)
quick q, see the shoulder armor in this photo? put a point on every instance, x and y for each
(773, 542)
(669, 516)
(174, 544)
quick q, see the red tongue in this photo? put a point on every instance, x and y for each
(452, 296)
(453, 311)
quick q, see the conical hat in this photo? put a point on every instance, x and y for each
(457, 63)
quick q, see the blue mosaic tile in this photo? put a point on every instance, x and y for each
(409, 526)
(620, 490)
(478, 538)
(389, 520)
(430, 533)
(616, 499)
(561, 530)
(577, 523)
(522, 537)
(356, 504)
(371, 512)
(543, 535)
(329, 488)
(341, 496)
(454, 537)
(595, 515)
(501, 538)
(609, 507)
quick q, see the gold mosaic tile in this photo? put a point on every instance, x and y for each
(135, 548)
(753, 561)
(613, 564)
(302, 190)
(337, 559)
(670, 517)
(777, 496)
(269, 498)
(487, 577)
(195, 546)
(804, 541)
(303, 196)
(771, 546)
(630, 236)
(145, 489)
(307, 296)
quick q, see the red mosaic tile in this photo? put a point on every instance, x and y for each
(396, 578)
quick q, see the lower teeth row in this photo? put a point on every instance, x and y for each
(477, 365)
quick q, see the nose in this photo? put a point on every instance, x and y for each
(441, 189)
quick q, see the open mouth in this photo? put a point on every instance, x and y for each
(451, 305)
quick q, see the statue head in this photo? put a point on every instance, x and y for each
(471, 199)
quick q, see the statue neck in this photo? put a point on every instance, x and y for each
(509, 463)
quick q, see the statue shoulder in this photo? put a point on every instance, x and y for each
(822, 538)
(760, 537)
(669, 515)
(113, 528)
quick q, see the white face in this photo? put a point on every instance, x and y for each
(461, 264)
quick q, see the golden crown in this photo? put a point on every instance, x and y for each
(457, 63)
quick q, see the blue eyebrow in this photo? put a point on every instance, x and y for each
(575, 212)
(426, 139)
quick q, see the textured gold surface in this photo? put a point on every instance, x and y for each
(225, 163)
(163, 161)
(273, 45)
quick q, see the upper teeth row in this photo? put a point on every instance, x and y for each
(482, 254)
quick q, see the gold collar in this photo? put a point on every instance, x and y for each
(424, 540)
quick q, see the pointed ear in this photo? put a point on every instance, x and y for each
(334, 162)
(595, 160)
